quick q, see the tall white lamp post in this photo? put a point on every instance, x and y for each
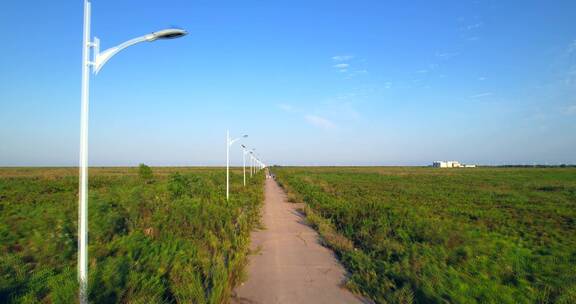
(93, 59)
(229, 143)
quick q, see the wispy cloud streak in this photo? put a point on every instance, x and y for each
(341, 58)
(320, 122)
(482, 95)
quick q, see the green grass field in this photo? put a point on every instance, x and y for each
(162, 238)
(425, 235)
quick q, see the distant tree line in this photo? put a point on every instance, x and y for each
(535, 166)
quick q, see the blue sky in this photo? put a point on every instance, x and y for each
(311, 82)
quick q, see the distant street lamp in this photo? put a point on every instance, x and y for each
(229, 143)
(97, 62)
(244, 151)
(255, 162)
(251, 162)
(259, 165)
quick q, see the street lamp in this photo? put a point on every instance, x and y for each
(97, 62)
(229, 143)
(255, 161)
(244, 152)
(252, 162)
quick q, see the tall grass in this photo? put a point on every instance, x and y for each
(170, 237)
(460, 236)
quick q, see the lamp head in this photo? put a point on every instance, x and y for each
(245, 136)
(166, 34)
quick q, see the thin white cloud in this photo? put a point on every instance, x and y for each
(341, 66)
(341, 58)
(447, 55)
(474, 26)
(319, 122)
(571, 110)
(481, 95)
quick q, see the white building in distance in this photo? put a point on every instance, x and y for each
(450, 164)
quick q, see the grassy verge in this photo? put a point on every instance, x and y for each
(165, 237)
(435, 236)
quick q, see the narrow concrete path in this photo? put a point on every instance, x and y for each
(289, 264)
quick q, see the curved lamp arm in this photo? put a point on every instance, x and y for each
(245, 149)
(236, 139)
(100, 58)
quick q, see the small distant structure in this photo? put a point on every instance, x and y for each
(451, 164)
(446, 164)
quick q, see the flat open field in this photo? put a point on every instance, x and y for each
(165, 238)
(426, 235)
